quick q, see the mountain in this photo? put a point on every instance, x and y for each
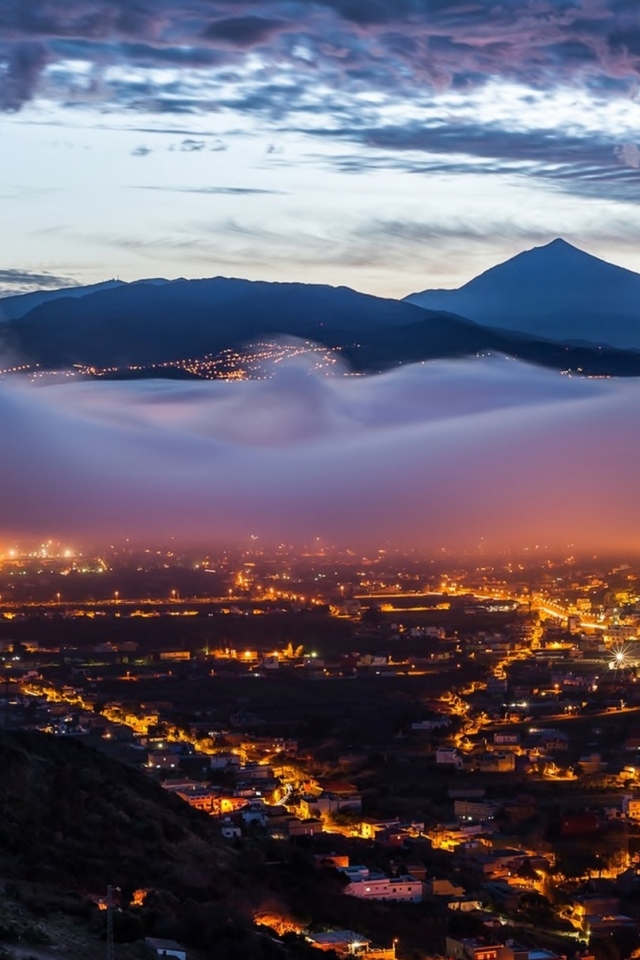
(458, 338)
(18, 305)
(556, 292)
(144, 324)
(141, 324)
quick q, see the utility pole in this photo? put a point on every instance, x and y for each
(110, 946)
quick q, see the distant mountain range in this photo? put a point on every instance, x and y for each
(522, 308)
(11, 308)
(555, 292)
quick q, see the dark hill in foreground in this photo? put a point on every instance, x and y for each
(73, 821)
(142, 324)
(73, 815)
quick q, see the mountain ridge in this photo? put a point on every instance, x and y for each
(134, 329)
(555, 291)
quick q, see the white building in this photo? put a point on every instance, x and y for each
(448, 756)
(376, 886)
(166, 948)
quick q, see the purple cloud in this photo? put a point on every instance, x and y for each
(383, 43)
(242, 31)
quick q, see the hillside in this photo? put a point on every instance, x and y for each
(13, 307)
(556, 291)
(146, 323)
(73, 821)
(428, 341)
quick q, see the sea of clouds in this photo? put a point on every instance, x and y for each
(485, 454)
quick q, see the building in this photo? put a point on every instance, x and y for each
(443, 888)
(471, 948)
(474, 809)
(327, 803)
(377, 886)
(346, 943)
(200, 798)
(162, 760)
(448, 756)
(166, 948)
(371, 828)
(631, 806)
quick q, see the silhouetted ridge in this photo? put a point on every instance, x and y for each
(134, 327)
(555, 291)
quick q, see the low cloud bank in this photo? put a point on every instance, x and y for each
(483, 454)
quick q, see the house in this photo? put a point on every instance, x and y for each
(255, 812)
(506, 743)
(255, 771)
(428, 726)
(166, 948)
(474, 809)
(370, 828)
(443, 888)
(162, 760)
(229, 830)
(346, 943)
(464, 904)
(308, 827)
(200, 797)
(491, 762)
(471, 948)
(285, 826)
(554, 741)
(220, 761)
(586, 906)
(327, 803)
(500, 862)
(377, 886)
(592, 763)
(515, 951)
(631, 806)
(448, 756)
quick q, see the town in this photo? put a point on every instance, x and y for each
(463, 741)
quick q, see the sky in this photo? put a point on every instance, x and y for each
(390, 145)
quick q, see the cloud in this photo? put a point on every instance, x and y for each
(381, 44)
(629, 155)
(359, 460)
(584, 163)
(222, 191)
(243, 31)
(23, 65)
(14, 282)
(189, 145)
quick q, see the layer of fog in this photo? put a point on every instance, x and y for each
(464, 454)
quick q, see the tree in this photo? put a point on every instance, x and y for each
(535, 908)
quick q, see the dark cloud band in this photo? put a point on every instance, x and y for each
(375, 43)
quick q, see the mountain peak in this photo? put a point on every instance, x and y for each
(558, 246)
(555, 291)
(558, 243)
